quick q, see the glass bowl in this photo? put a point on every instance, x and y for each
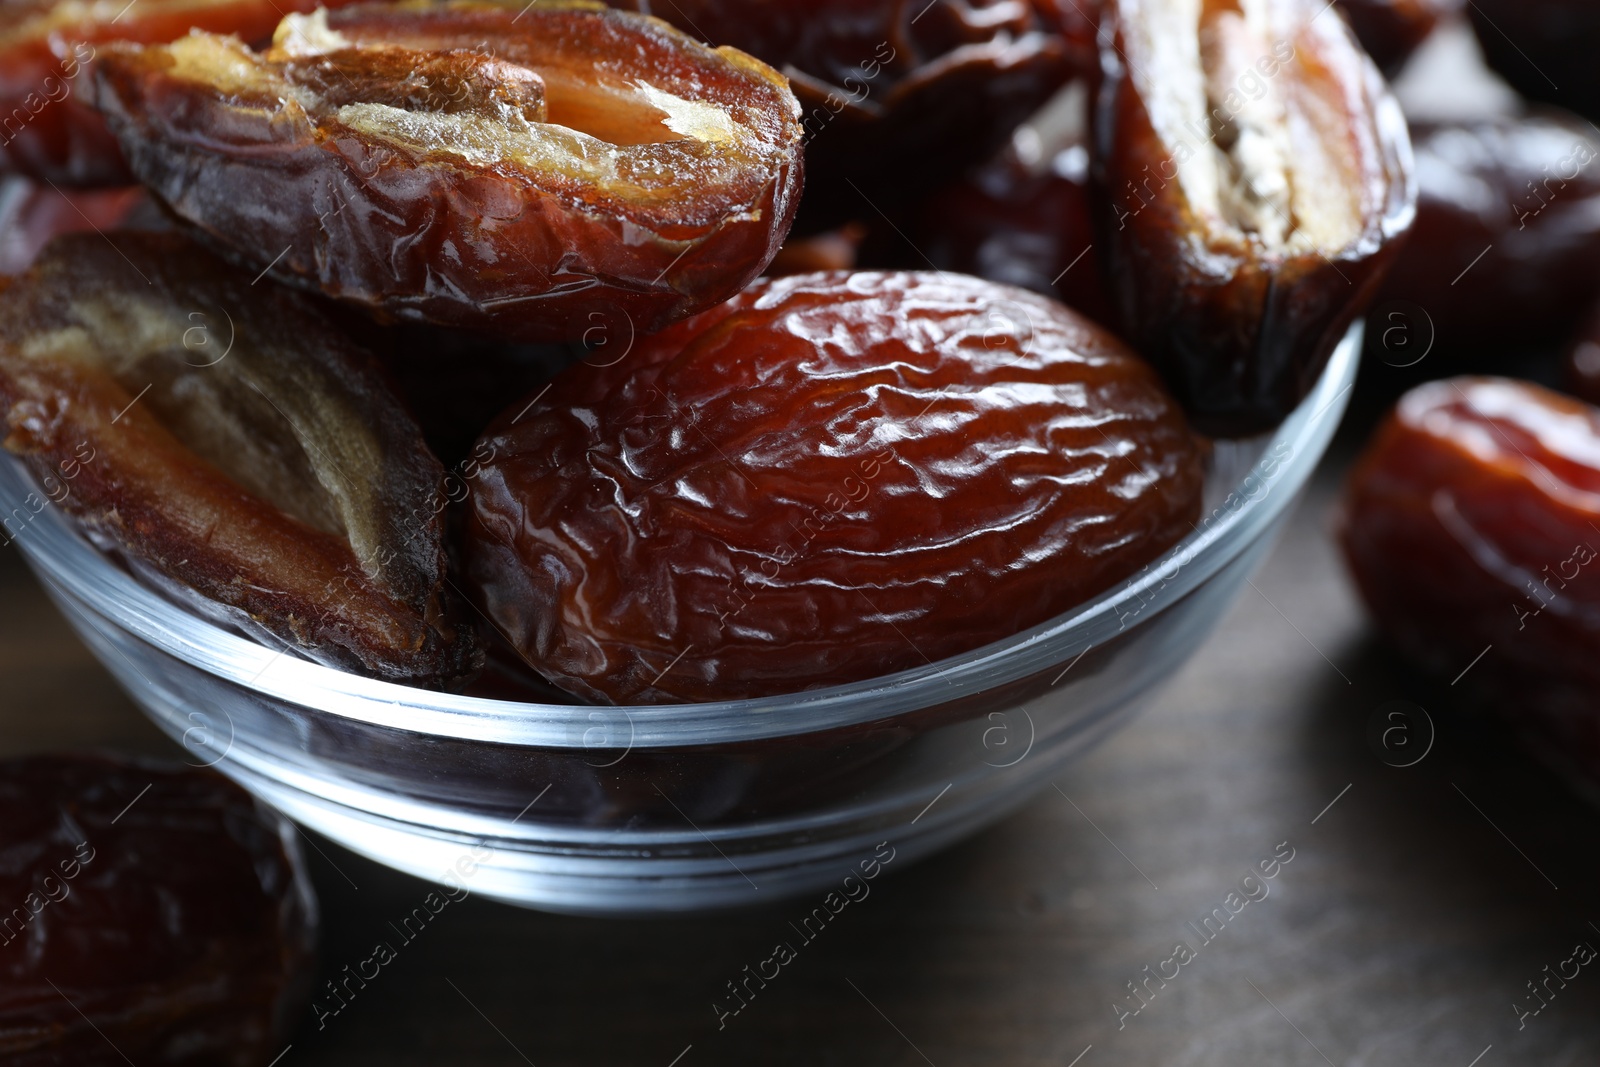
(638, 810)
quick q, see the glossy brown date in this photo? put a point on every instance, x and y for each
(1390, 30)
(47, 127)
(1471, 521)
(149, 913)
(1021, 222)
(1256, 176)
(1544, 48)
(828, 478)
(230, 444)
(897, 96)
(528, 171)
(1505, 252)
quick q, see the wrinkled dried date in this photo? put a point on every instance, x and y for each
(47, 128)
(1257, 175)
(828, 478)
(530, 171)
(149, 913)
(1390, 30)
(1544, 48)
(1471, 521)
(1505, 252)
(223, 435)
(887, 87)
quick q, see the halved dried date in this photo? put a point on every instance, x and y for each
(1544, 48)
(223, 436)
(827, 478)
(897, 95)
(1257, 175)
(529, 171)
(1505, 253)
(1473, 519)
(149, 913)
(1390, 30)
(47, 128)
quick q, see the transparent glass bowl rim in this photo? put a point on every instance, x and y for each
(67, 560)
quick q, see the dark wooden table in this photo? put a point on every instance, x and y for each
(1418, 904)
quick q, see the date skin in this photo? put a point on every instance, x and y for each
(1256, 179)
(1470, 522)
(828, 478)
(48, 130)
(153, 914)
(896, 95)
(528, 172)
(1516, 200)
(1390, 30)
(1544, 48)
(1030, 225)
(225, 440)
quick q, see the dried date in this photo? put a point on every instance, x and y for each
(887, 87)
(227, 441)
(149, 913)
(1471, 521)
(47, 128)
(1544, 48)
(1505, 251)
(1256, 175)
(528, 171)
(828, 478)
(32, 215)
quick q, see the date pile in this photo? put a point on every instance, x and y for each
(443, 327)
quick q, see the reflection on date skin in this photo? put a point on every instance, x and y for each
(828, 478)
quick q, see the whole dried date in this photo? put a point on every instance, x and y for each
(1505, 251)
(887, 87)
(1257, 176)
(1544, 48)
(224, 437)
(827, 478)
(47, 129)
(1471, 520)
(529, 171)
(149, 913)
(1390, 30)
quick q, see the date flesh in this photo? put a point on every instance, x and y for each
(828, 478)
(531, 172)
(1470, 521)
(149, 913)
(1257, 178)
(896, 95)
(1544, 48)
(47, 127)
(227, 441)
(1505, 251)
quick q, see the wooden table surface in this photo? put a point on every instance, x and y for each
(1417, 906)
